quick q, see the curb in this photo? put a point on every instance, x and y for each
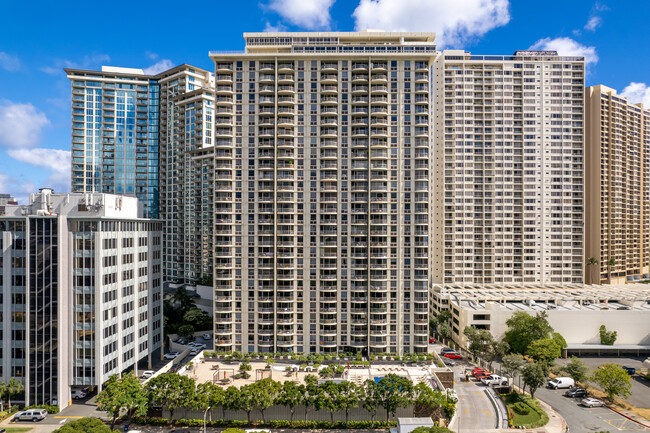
(628, 417)
(497, 408)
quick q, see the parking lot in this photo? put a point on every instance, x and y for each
(640, 393)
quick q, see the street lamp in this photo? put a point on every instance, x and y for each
(205, 414)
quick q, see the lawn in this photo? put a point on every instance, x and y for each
(536, 417)
(18, 429)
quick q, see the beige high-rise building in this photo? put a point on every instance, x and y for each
(618, 184)
(509, 168)
(322, 140)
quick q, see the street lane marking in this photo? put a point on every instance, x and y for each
(466, 411)
(479, 393)
(487, 412)
(63, 420)
(66, 417)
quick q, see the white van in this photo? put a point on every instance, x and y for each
(561, 382)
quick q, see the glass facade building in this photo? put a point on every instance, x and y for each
(115, 122)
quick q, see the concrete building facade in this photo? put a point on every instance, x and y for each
(618, 186)
(509, 149)
(80, 277)
(322, 192)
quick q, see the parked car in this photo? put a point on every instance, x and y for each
(195, 351)
(432, 340)
(561, 382)
(482, 375)
(147, 374)
(171, 355)
(181, 341)
(629, 370)
(477, 371)
(31, 415)
(592, 402)
(198, 345)
(207, 337)
(576, 393)
(78, 394)
(447, 350)
(494, 379)
(453, 355)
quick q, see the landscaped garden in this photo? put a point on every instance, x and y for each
(524, 411)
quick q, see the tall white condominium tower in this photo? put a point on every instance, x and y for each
(509, 134)
(81, 293)
(186, 125)
(322, 139)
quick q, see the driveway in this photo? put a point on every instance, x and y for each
(475, 410)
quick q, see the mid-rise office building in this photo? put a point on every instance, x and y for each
(7, 199)
(115, 134)
(81, 292)
(618, 184)
(322, 193)
(509, 165)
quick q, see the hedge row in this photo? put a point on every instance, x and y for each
(276, 424)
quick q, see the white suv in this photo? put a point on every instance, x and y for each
(31, 415)
(78, 393)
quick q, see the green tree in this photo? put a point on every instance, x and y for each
(247, 400)
(349, 395)
(497, 349)
(427, 402)
(266, 392)
(394, 392)
(311, 393)
(613, 380)
(512, 364)
(444, 327)
(479, 341)
(577, 370)
(3, 391)
(371, 403)
(610, 264)
(291, 395)
(199, 319)
(545, 351)
(607, 337)
(592, 263)
(433, 323)
(210, 395)
(186, 331)
(523, 329)
(122, 394)
(559, 340)
(172, 391)
(444, 330)
(14, 386)
(84, 425)
(182, 301)
(232, 399)
(233, 430)
(244, 368)
(205, 280)
(327, 398)
(534, 377)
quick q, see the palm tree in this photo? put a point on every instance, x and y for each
(592, 262)
(3, 391)
(14, 387)
(610, 264)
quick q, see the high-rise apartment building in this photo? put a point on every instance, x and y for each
(509, 164)
(322, 193)
(115, 134)
(618, 184)
(80, 277)
(186, 124)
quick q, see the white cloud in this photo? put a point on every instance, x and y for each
(567, 47)
(93, 61)
(270, 28)
(56, 161)
(158, 67)
(20, 124)
(9, 63)
(593, 23)
(150, 55)
(20, 189)
(310, 14)
(637, 92)
(454, 22)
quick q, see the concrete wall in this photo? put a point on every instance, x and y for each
(582, 326)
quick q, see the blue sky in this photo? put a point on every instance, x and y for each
(39, 38)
